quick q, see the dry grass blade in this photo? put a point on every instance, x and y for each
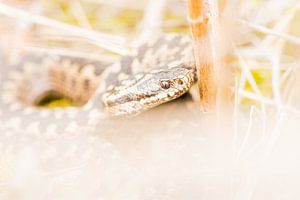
(106, 41)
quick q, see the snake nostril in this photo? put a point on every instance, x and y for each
(180, 82)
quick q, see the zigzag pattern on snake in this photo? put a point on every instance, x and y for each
(157, 72)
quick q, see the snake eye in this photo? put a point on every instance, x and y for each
(165, 84)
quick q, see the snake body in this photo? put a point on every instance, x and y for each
(157, 72)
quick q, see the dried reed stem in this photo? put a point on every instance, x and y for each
(203, 53)
(211, 54)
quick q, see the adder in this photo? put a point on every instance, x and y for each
(158, 71)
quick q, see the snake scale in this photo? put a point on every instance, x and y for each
(158, 71)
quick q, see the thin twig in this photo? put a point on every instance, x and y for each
(80, 14)
(152, 20)
(69, 53)
(263, 29)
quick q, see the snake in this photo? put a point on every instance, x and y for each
(158, 71)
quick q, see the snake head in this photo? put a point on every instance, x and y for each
(143, 91)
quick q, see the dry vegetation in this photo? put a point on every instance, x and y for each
(255, 153)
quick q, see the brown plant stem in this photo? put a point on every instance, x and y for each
(211, 55)
(199, 23)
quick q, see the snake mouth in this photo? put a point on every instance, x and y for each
(135, 105)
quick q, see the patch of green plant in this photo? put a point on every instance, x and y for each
(263, 79)
(54, 100)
